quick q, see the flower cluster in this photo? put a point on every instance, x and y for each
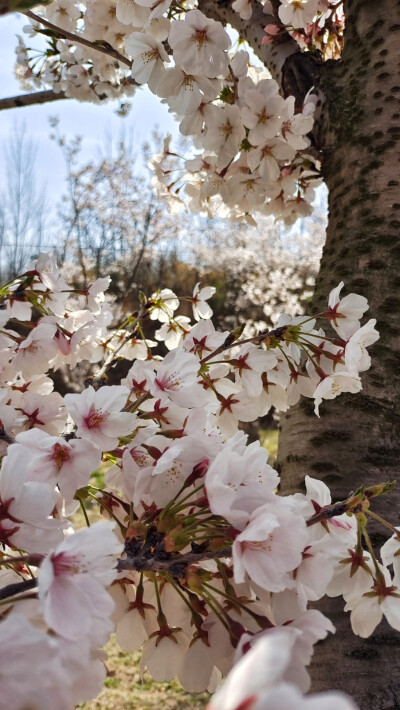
(211, 559)
(314, 24)
(252, 145)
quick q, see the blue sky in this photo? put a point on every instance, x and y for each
(90, 121)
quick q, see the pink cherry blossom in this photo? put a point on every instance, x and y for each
(236, 483)
(35, 353)
(72, 580)
(50, 458)
(98, 415)
(176, 379)
(271, 545)
(25, 507)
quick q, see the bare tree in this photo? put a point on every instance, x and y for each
(23, 218)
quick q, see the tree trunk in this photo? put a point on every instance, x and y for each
(357, 440)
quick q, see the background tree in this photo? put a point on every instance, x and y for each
(23, 210)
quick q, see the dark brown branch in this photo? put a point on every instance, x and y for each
(104, 47)
(144, 564)
(12, 589)
(36, 97)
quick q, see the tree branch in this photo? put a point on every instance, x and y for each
(36, 97)
(103, 47)
(12, 589)
(151, 564)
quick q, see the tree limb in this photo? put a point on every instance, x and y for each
(151, 564)
(36, 97)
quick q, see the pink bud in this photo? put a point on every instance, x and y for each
(272, 29)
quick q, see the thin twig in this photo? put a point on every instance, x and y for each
(113, 354)
(256, 339)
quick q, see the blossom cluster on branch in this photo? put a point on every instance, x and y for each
(199, 561)
(253, 152)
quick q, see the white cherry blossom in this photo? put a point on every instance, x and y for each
(201, 309)
(345, 313)
(297, 13)
(357, 358)
(148, 59)
(266, 156)
(198, 44)
(335, 384)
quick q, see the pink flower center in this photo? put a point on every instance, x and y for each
(61, 454)
(32, 349)
(95, 418)
(168, 382)
(263, 545)
(65, 564)
(200, 38)
(140, 457)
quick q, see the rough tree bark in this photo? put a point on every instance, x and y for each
(356, 440)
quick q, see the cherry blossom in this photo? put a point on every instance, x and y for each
(345, 313)
(211, 559)
(235, 483)
(26, 507)
(148, 59)
(36, 351)
(270, 546)
(98, 415)
(357, 358)
(176, 379)
(255, 682)
(201, 309)
(72, 580)
(297, 13)
(198, 45)
(368, 611)
(335, 384)
(70, 463)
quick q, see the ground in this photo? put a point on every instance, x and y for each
(124, 689)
